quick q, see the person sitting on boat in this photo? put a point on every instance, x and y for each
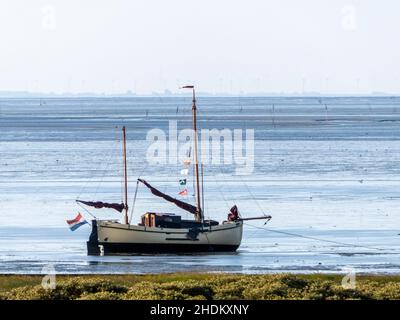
(233, 215)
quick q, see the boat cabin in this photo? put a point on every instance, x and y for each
(171, 220)
(160, 220)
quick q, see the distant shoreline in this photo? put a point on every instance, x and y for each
(39, 95)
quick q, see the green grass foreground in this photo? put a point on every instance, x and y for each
(199, 286)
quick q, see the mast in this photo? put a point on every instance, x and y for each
(194, 111)
(125, 175)
(199, 215)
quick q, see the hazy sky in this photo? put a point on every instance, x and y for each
(330, 46)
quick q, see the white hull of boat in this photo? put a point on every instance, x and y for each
(110, 237)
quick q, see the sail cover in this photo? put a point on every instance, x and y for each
(183, 205)
(98, 205)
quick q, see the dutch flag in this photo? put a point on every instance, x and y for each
(77, 222)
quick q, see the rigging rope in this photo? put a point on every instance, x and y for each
(107, 165)
(220, 191)
(254, 198)
(134, 201)
(86, 210)
(137, 186)
(92, 179)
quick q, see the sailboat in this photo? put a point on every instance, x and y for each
(165, 232)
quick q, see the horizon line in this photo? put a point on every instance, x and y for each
(168, 93)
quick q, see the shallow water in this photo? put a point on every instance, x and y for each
(326, 169)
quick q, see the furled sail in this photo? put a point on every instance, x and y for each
(98, 205)
(183, 205)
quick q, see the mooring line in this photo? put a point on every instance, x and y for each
(316, 239)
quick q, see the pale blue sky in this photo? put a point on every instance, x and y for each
(330, 46)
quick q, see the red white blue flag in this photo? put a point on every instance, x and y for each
(77, 222)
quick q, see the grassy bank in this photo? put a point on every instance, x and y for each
(200, 286)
